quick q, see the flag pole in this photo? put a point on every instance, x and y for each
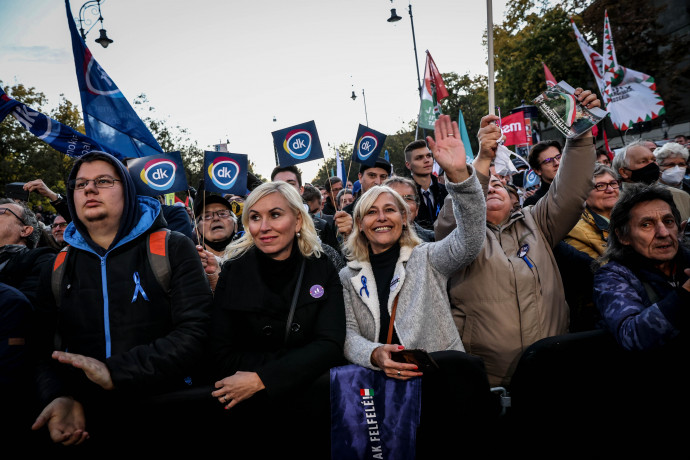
(490, 42)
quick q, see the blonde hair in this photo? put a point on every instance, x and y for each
(357, 245)
(308, 242)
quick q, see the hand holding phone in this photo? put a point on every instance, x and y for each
(418, 357)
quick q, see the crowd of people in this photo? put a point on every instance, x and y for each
(128, 322)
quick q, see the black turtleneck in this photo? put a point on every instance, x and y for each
(280, 276)
(383, 266)
(219, 246)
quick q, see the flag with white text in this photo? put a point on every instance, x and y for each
(108, 117)
(433, 91)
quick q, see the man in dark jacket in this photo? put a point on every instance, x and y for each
(21, 262)
(420, 162)
(129, 336)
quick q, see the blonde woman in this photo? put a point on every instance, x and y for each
(390, 270)
(278, 326)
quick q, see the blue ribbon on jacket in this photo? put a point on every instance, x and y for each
(364, 286)
(138, 288)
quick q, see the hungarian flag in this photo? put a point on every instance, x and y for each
(629, 96)
(550, 81)
(433, 92)
(108, 117)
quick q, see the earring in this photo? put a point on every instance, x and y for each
(298, 234)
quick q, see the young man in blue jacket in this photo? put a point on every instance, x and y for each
(124, 335)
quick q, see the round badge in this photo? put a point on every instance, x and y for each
(316, 291)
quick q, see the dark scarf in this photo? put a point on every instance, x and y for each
(219, 246)
(383, 266)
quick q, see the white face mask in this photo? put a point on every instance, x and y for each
(673, 176)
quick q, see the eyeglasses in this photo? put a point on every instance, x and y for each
(410, 198)
(601, 186)
(99, 182)
(550, 160)
(4, 210)
(62, 225)
(671, 165)
(222, 214)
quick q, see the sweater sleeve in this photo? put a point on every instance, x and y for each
(463, 244)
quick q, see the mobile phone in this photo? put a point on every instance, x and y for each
(419, 357)
(15, 190)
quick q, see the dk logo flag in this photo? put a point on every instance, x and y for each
(225, 172)
(158, 174)
(368, 145)
(297, 144)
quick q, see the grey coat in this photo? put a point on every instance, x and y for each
(423, 318)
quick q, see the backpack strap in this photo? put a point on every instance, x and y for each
(59, 266)
(157, 250)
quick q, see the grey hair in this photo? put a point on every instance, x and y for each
(29, 219)
(671, 149)
(621, 160)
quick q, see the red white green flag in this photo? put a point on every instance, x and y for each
(433, 91)
(630, 96)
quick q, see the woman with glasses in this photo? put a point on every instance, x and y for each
(591, 232)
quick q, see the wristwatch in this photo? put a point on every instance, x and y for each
(58, 200)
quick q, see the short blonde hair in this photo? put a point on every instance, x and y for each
(308, 242)
(357, 245)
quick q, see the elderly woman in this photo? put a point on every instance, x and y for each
(591, 232)
(278, 326)
(642, 287)
(672, 159)
(392, 279)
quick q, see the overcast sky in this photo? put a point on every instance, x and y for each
(225, 69)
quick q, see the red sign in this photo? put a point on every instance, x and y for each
(513, 127)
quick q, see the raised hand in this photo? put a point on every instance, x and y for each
(448, 150)
(95, 370)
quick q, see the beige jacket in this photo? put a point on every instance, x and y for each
(502, 304)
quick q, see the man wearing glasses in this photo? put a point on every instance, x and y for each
(544, 159)
(216, 224)
(57, 229)
(129, 336)
(21, 262)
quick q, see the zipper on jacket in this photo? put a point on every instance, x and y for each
(106, 309)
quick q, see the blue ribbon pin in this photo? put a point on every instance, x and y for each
(364, 286)
(138, 288)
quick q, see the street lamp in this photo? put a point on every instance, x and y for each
(395, 18)
(354, 96)
(95, 8)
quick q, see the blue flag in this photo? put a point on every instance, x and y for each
(386, 156)
(225, 173)
(297, 144)
(465, 138)
(368, 145)
(108, 117)
(531, 179)
(158, 174)
(60, 137)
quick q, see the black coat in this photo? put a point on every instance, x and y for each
(424, 218)
(249, 321)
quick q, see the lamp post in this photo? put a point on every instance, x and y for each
(395, 18)
(94, 6)
(354, 96)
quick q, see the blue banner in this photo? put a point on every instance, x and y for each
(225, 173)
(108, 117)
(465, 138)
(158, 174)
(368, 145)
(297, 144)
(60, 137)
(373, 416)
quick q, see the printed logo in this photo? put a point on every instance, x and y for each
(316, 291)
(298, 143)
(366, 145)
(394, 283)
(97, 81)
(159, 174)
(224, 172)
